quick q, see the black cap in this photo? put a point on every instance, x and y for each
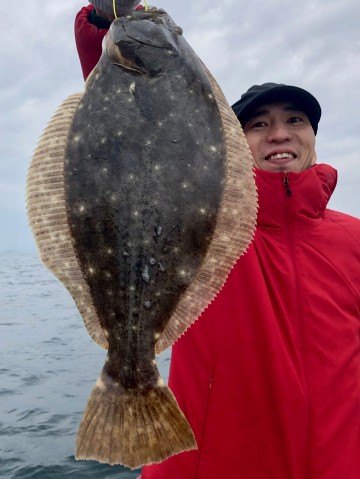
(272, 92)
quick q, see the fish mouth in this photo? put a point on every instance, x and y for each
(117, 58)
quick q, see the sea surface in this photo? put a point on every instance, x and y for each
(48, 366)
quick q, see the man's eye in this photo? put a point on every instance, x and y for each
(295, 119)
(258, 124)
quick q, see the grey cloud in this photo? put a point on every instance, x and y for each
(313, 44)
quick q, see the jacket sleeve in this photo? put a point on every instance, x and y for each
(88, 38)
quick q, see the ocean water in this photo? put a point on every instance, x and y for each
(48, 366)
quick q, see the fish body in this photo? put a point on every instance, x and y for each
(145, 201)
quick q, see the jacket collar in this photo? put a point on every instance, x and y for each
(304, 208)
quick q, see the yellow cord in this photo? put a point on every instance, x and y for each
(146, 6)
(114, 8)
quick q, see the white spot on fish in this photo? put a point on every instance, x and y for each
(91, 270)
(106, 98)
(157, 167)
(134, 328)
(160, 123)
(107, 274)
(202, 211)
(131, 177)
(136, 213)
(100, 384)
(190, 124)
(185, 185)
(145, 274)
(157, 336)
(130, 100)
(147, 304)
(109, 251)
(82, 208)
(76, 139)
(119, 133)
(105, 170)
(103, 141)
(132, 288)
(132, 87)
(213, 148)
(210, 96)
(113, 197)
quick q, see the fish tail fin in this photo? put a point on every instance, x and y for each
(133, 427)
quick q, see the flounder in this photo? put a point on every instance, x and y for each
(141, 198)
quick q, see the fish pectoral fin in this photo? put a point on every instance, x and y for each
(116, 58)
(133, 427)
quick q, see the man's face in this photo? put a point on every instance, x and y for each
(281, 138)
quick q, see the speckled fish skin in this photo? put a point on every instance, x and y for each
(142, 206)
(141, 198)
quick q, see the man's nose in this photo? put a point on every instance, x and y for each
(278, 133)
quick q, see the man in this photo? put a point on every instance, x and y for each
(269, 375)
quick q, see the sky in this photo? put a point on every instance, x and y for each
(308, 43)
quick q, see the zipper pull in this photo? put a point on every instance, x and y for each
(286, 184)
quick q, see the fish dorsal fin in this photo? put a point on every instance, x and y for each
(46, 208)
(234, 230)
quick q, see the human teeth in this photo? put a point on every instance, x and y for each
(278, 156)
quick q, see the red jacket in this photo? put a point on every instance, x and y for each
(269, 375)
(88, 39)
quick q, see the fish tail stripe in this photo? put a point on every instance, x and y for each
(150, 425)
(47, 214)
(234, 230)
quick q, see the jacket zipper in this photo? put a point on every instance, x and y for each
(286, 184)
(290, 243)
